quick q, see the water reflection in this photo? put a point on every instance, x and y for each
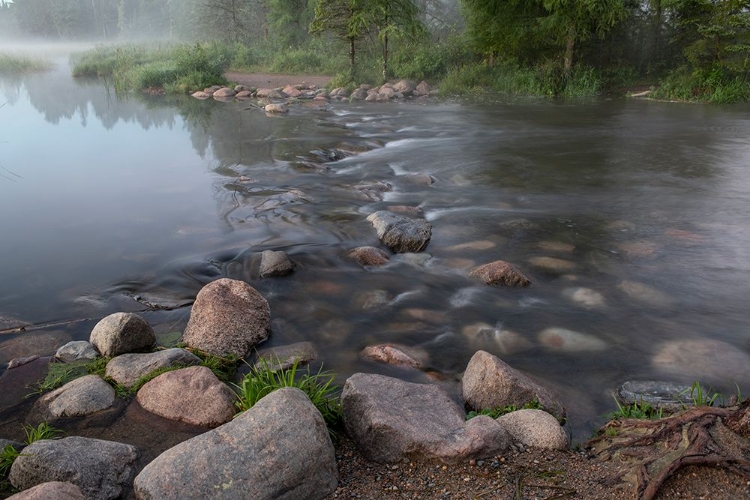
(628, 216)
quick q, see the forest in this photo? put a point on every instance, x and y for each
(682, 49)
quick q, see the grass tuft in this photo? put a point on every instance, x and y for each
(17, 64)
(639, 410)
(263, 380)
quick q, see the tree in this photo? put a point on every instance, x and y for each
(289, 20)
(531, 29)
(393, 18)
(346, 19)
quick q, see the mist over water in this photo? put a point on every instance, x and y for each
(114, 202)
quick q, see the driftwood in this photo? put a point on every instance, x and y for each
(654, 449)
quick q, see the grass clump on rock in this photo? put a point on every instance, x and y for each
(263, 379)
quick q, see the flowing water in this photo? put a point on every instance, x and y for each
(629, 217)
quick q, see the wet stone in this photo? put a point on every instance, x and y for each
(659, 394)
(76, 350)
(564, 340)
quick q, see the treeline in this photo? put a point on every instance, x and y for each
(690, 49)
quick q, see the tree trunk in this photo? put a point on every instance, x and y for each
(570, 40)
(351, 57)
(385, 58)
(658, 15)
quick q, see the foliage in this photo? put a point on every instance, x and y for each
(263, 380)
(176, 68)
(14, 64)
(59, 374)
(637, 410)
(42, 431)
(534, 404)
(697, 395)
(712, 86)
(223, 367)
(8, 455)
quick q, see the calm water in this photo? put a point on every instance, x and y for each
(109, 202)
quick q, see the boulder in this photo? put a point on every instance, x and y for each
(278, 449)
(387, 92)
(121, 333)
(283, 357)
(193, 395)
(490, 383)
(391, 420)
(405, 87)
(79, 397)
(76, 350)
(228, 317)
(422, 89)
(535, 428)
(126, 369)
(269, 94)
(213, 88)
(101, 469)
(359, 94)
(292, 91)
(242, 88)
(707, 360)
(201, 95)
(53, 490)
(500, 273)
(224, 92)
(32, 344)
(276, 108)
(401, 234)
(275, 263)
(659, 394)
(368, 256)
(244, 94)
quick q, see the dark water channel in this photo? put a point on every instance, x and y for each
(630, 218)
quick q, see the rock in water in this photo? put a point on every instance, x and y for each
(79, 397)
(401, 234)
(121, 333)
(368, 256)
(126, 369)
(500, 273)
(278, 449)
(275, 264)
(228, 317)
(101, 469)
(490, 383)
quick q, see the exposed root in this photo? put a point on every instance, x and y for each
(655, 449)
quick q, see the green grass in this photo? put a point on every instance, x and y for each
(319, 387)
(639, 410)
(9, 454)
(504, 410)
(713, 86)
(697, 395)
(15, 64)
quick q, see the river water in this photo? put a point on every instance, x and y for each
(630, 218)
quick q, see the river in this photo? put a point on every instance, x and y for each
(630, 217)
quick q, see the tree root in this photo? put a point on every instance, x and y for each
(654, 449)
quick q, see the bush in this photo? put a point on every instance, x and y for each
(714, 85)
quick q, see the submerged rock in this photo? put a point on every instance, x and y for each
(228, 317)
(368, 256)
(585, 297)
(553, 264)
(645, 295)
(401, 234)
(487, 337)
(396, 355)
(706, 360)
(278, 449)
(391, 420)
(564, 340)
(121, 333)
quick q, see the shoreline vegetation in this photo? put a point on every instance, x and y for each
(11, 63)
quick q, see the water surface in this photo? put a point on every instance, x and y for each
(114, 203)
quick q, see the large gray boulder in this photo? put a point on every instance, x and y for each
(121, 333)
(126, 369)
(80, 397)
(401, 234)
(535, 428)
(228, 317)
(193, 395)
(53, 490)
(390, 420)
(101, 469)
(278, 449)
(490, 383)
